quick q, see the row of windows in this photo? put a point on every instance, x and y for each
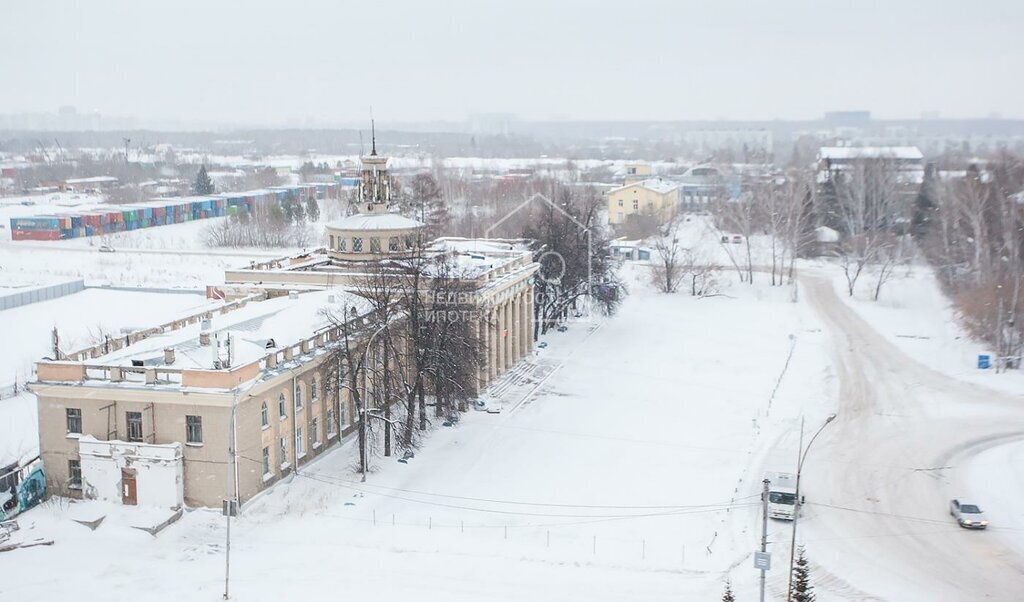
(133, 422)
(300, 444)
(394, 244)
(282, 403)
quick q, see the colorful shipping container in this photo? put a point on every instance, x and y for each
(158, 212)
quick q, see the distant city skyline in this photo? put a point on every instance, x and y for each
(318, 63)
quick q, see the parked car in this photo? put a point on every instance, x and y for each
(481, 405)
(967, 515)
(542, 345)
(106, 249)
(562, 328)
(737, 239)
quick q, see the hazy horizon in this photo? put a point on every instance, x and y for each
(319, 64)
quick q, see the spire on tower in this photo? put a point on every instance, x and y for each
(373, 139)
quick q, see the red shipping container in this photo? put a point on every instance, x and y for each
(35, 235)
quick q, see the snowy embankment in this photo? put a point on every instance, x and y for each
(633, 472)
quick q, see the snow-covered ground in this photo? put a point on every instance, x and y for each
(915, 315)
(632, 473)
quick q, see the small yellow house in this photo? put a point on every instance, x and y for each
(653, 196)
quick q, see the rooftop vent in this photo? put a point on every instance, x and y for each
(169, 356)
(204, 338)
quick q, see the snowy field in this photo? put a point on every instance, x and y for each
(632, 473)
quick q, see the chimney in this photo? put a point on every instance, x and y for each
(204, 338)
(169, 355)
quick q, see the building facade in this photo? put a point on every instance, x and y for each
(654, 197)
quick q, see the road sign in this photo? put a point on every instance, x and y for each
(763, 560)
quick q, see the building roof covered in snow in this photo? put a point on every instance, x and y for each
(853, 153)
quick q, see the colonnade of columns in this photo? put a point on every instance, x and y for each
(506, 331)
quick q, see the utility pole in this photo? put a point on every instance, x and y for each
(127, 141)
(764, 528)
(234, 498)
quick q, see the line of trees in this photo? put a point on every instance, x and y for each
(418, 347)
(267, 226)
(970, 227)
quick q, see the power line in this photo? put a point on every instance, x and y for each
(669, 510)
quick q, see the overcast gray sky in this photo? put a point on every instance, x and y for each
(275, 62)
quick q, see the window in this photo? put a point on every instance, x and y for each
(193, 429)
(266, 460)
(74, 416)
(621, 202)
(331, 431)
(314, 431)
(264, 416)
(134, 420)
(636, 204)
(314, 390)
(282, 410)
(342, 420)
(357, 244)
(408, 241)
(284, 451)
(298, 396)
(375, 244)
(332, 241)
(341, 243)
(75, 474)
(393, 243)
(300, 443)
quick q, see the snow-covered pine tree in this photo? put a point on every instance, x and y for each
(727, 596)
(802, 589)
(313, 210)
(203, 185)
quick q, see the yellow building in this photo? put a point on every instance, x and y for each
(653, 196)
(637, 172)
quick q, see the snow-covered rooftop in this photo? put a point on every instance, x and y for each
(282, 320)
(656, 184)
(870, 152)
(375, 221)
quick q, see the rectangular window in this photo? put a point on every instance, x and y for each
(357, 244)
(282, 411)
(266, 460)
(75, 474)
(193, 429)
(375, 244)
(74, 417)
(134, 421)
(331, 431)
(332, 241)
(341, 243)
(298, 396)
(393, 243)
(408, 242)
(342, 417)
(300, 443)
(284, 451)
(314, 431)
(264, 416)
(314, 392)
(621, 202)
(636, 204)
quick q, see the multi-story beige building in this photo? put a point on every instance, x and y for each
(654, 197)
(235, 397)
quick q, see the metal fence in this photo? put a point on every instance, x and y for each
(40, 293)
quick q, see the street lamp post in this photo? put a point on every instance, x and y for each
(363, 414)
(802, 455)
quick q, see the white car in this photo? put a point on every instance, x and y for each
(967, 515)
(106, 249)
(481, 405)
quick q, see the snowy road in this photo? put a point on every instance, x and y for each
(879, 479)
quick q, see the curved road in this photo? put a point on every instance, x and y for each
(878, 483)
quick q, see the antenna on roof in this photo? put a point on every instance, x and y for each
(373, 135)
